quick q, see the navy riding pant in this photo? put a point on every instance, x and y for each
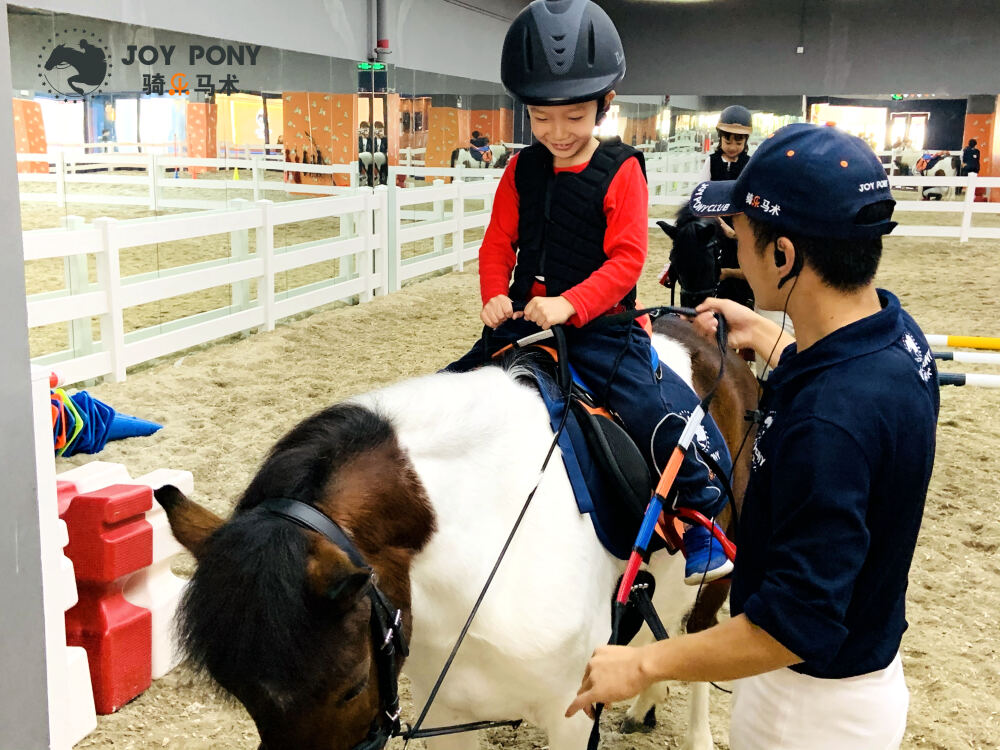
(615, 362)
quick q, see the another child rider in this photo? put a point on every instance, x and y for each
(568, 239)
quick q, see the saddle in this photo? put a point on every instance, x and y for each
(610, 479)
(929, 160)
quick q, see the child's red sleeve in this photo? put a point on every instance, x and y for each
(625, 244)
(497, 254)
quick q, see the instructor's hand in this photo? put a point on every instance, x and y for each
(613, 674)
(740, 321)
(549, 311)
(497, 310)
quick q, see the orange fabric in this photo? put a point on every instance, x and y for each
(29, 135)
(201, 134)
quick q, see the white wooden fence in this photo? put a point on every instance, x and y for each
(371, 239)
(152, 175)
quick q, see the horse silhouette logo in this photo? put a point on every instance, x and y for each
(74, 69)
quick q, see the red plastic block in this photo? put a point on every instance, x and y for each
(65, 492)
(118, 637)
(110, 538)
(108, 533)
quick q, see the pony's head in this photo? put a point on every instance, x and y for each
(694, 258)
(277, 615)
(58, 56)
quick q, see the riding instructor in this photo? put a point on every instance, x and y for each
(841, 463)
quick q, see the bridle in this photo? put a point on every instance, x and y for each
(388, 639)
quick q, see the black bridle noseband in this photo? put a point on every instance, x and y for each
(388, 639)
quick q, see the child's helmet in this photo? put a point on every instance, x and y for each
(561, 52)
(735, 119)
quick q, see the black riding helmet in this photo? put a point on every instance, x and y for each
(561, 52)
(736, 120)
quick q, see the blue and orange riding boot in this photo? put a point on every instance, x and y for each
(706, 560)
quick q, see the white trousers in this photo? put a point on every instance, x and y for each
(785, 710)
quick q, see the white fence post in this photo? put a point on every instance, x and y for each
(347, 267)
(437, 212)
(255, 170)
(239, 249)
(81, 340)
(458, 213)
(393, 250)
(110, 279)
(381, 249)
(60, 166)
(363, 259)
(970, 197)
(154, 178)
(265, 249)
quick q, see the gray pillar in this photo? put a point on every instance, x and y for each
(23, 704)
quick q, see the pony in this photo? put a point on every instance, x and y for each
(499, 156)
(426, 478)
(941, 164)
(695, 256)
(90, 63)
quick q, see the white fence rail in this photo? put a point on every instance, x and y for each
(160, 173)
(372, 235)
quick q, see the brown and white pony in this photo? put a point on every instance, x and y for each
(426, 478)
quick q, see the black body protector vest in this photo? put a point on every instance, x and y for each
(727, 170)
(561, 223)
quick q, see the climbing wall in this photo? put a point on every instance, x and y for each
(29, 134)
(498, 124)
(202, 126)
(327, 122)
(449, 129)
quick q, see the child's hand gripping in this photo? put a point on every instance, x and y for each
(497, 310)
(549, 311)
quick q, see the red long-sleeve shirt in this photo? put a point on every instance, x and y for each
(625, 243)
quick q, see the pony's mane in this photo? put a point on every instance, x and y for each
(246, 618)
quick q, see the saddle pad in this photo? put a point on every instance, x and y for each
(616, 521)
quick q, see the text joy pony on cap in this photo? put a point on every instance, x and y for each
(810, 180)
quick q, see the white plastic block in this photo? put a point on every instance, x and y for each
(156, 588)
(95, 476)
(70, 695)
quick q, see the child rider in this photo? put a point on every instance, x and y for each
(567, 240)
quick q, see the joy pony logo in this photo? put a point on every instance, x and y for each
(74, 63)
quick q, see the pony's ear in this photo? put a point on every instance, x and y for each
(669, 228)
(331, 575)
(191, 523)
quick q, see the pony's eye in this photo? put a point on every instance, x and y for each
(355, 691)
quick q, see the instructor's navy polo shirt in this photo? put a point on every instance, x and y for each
(841, 465)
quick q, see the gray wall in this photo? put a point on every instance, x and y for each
(458, 37)
(23, 704)
(852, 47)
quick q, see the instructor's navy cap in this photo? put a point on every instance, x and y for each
(806, 179)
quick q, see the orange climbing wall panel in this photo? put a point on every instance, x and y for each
(393, 131)
(29, 134)
(327, 122)
(201, 133)
(449, 129)
(498, 124)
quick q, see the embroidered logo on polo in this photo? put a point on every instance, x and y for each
(764, 204)
(921, 357)
(758, 456)
(697, 205)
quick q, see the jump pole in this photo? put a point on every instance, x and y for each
(956, 378)
(974, 358)
(968, 342)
